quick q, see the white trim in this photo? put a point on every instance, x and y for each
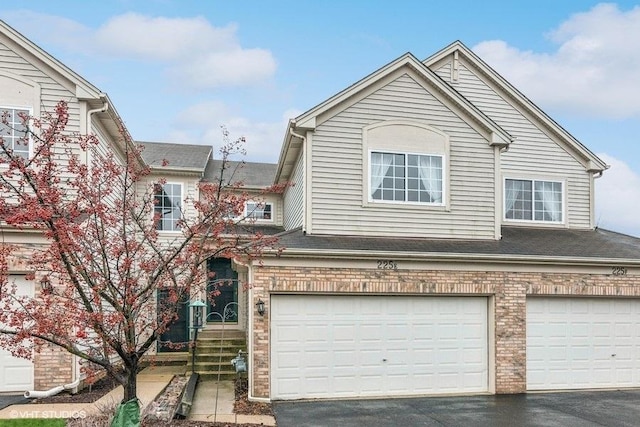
(7, 107)
(257, 203)
(562, 182)
(182, 206)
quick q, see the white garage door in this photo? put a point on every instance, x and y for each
(16, 374)
(577, 343)
(363, 346)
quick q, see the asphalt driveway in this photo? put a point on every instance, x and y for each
(11, 399)
(579, 409)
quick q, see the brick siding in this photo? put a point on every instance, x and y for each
(508, 289)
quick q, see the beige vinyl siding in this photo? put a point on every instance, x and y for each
(533, 152)
(337, 187)
(294, 197)
(51, 90)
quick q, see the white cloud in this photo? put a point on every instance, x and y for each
(593, 71)
(190, 51)
(618, 198)
(200, 124)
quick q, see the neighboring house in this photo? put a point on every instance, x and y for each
(438, 238)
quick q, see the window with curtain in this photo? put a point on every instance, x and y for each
(168, 202)
(14, 131)
(262, 211)
(533, 200)
(401, 177)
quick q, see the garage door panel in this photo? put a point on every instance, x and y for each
(380, 346)
(16, 374)
(593, 343)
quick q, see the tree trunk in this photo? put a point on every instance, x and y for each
(131, 386)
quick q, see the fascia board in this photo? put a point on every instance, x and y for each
(433, 256)
(84, 89)
(595, 163)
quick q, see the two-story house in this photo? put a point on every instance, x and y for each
(438, 237)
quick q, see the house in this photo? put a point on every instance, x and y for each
(438, 238)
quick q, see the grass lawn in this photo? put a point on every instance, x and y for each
(33, 422)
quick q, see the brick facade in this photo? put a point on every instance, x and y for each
(508, 292)
(53, 367)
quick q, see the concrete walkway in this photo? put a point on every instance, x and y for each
(212, 401)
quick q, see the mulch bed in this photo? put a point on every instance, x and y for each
(242, 405)
(89, 394)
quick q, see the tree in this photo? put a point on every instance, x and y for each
(104, 259)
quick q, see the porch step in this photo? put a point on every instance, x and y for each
(214, 351)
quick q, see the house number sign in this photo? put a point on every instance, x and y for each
(387, 264)
(619, 271)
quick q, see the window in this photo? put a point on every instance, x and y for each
(168, 199)
(13, 130)
(533, 200)
(256, 210)
(403, 177)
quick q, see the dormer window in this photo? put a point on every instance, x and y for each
(259, 211)
(533, 200)
(404, 177)
(13, 130)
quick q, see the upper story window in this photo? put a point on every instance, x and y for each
(259, 211)
(403, 177)
(533, 200)
(13, 131)
(168, 206)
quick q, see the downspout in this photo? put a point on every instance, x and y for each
(104, 108)
(305, 174)
(32, 394)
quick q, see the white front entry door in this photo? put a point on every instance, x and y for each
(373, 346)
(579, 343)
(16, 374)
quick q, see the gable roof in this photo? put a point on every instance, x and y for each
(518, 244)
(84, 90)
(180, 157)
(310, 119)
(252, 175)
(594, 163)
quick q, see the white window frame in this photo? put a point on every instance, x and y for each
(173, 230)
(443, 178)
(533, 180)
(29, 111)
(247, 214)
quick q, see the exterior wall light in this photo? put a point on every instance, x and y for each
(46, 286)
(260, 307)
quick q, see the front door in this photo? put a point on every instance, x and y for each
(176, 337)
(222, 292)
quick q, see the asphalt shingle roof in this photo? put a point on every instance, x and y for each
(187, 156)
(516, 241)
(250, 174)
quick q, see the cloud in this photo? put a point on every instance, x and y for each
(190, 51)
(618, 197)
(201, 124)
(593, 71)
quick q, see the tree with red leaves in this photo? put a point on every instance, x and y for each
(104, 260)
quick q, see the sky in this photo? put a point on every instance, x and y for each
(178, 70)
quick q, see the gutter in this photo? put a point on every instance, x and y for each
(432, 256)
(32, 394)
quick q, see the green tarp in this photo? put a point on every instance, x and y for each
(127, 414)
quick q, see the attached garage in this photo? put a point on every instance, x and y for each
(330, 346)
(16, 374)
(581, 343)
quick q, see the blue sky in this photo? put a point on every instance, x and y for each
(178, 70)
